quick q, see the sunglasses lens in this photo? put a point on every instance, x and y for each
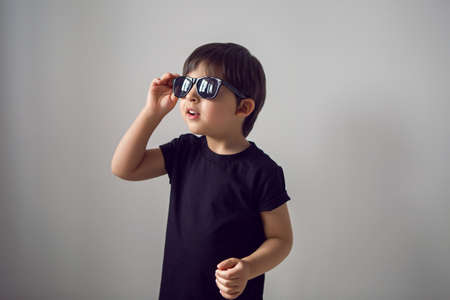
(181, 86)
(208, 87)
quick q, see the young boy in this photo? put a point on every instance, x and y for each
(228, 222)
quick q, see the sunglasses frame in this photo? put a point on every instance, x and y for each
(219, 81)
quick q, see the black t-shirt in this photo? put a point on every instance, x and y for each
(214, 214)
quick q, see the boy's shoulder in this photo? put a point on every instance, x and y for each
(185, 138)
(265, 161)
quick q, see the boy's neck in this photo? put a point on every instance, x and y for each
(227, 145)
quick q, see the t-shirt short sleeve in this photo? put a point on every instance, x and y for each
(172, 153)
(271, 190)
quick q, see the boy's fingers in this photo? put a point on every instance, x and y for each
(226, 274)
(167, 77)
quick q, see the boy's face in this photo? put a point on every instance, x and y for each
(217, 117)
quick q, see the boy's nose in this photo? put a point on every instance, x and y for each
(193, 95)
(193, 99)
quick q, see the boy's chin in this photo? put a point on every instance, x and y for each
(195, 130)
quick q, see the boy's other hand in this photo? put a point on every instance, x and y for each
(231, 277)
(160, 98)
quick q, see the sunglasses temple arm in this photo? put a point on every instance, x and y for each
(235, 90)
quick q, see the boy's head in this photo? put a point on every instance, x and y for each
(227, 112)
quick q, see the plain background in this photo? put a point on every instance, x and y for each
(357, 114)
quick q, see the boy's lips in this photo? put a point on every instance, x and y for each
(188, 109)
(191, 116)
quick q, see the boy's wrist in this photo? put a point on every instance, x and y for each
(150, 113)
(248, 266)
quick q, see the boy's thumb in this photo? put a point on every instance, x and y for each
(228, 263)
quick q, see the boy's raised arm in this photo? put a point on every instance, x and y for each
(131, 160)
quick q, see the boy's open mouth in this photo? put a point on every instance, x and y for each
(192, 112)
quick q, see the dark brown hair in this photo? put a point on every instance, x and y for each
(236, 65)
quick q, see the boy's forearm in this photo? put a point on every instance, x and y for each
(131, 149)
(271, 253)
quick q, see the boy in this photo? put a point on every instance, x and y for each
(228, 222)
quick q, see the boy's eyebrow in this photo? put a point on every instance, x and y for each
(195, 77)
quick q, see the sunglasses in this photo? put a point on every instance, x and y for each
(207, 87)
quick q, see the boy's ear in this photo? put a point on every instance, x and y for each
(246, 106)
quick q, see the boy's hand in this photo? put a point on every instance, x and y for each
(231, 277)
(160, 98)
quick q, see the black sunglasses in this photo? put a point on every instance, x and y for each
(207, 87)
